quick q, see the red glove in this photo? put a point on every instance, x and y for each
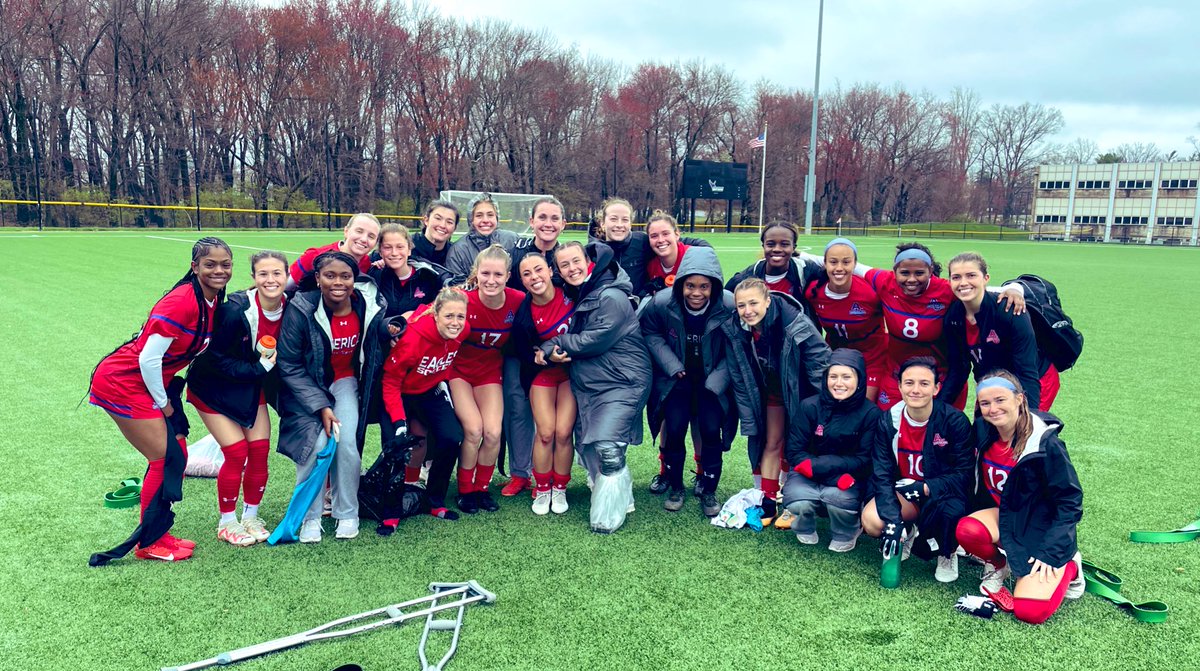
(845, 482)
(804, 468)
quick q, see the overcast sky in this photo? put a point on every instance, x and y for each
(1120, 71)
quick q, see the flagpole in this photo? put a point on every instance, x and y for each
(810, 184)
(762, 184)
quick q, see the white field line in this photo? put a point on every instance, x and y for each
(192, 242)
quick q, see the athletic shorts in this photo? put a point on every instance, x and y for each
(122, 397)
(1050, 384)
(203, 407)
(774, 400)
(551, 377)
(478, 380)
(875, 374)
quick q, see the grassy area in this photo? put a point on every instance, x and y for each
(666, 592)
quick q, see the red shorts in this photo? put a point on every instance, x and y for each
(203, 407)
(774, 400)
(875, 374)
(477, 379)
(551, 377)
(122, 397)
(1050, 384)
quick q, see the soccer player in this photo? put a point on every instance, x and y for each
(545, 312)
(414, 386)
(981, 336)
(405, 281)
(438, 222)
(831, 442)
(915, 300)
(331, 347)
(610, 373)
(663, 234)
(776, 360)
(130, 383)
(482, 221)
(360, 234)
(476, 375)
(922, 464)
(231, 384)
(1029, 501)
(780, 268)
(849, 311)
(631, 248)
(691, 381)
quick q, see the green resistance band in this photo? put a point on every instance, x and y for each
(1181, 535)
(1107, 585)
(125, 495)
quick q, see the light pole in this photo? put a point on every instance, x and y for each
(810, 183)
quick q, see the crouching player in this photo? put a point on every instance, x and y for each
(1032, 502)
(923, 461)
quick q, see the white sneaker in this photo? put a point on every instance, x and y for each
(310, 531)
(808, 539)
(993, 578)
(346, 529)
(235, 534)
(558, 501)
(632, 507)
(1077, 586)
(256, 528)
(906, 549)
(541, 503)
(947, 569)
(845, 546)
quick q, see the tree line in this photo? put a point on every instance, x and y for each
(350, 105)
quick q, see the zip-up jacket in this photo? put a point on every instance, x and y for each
(1005, 341)
(229, 375)
(462, 253)
(800, 273)
(418, 362)
(418, 290)
(423, 249)
(947, 456)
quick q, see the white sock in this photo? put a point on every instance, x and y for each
(249, 510)
(757, 481)
(227, 518)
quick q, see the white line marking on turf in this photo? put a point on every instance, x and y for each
(192, 242)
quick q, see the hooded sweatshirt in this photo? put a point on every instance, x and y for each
(419, 361)
(837, 436)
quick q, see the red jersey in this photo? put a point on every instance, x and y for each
(553, 318)
(655, 270)
(909, 448)
(175, 316)
(481, 355)
(303, 266)
(346, 334)
(913, 324)
(854, 320)
(997, 463)
(418, 362)
(779, 283)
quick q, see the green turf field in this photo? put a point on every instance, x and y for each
(668, 591)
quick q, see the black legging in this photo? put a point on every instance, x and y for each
(689, 400)
(443, 437)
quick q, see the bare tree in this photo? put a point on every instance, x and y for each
(1013, 138)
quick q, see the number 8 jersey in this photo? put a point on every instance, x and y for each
(914, 324)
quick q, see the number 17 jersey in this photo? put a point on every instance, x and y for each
(480, 359)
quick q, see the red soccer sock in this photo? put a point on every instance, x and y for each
(699, 468)
(151, 483)
(229, 478)
(466, 480)
(560, 480)
(483, 476)
(412, 474)
(770, 489)
(975, 538)
(254, 482)
(542, 481)
(1037, 611)
(662, 465)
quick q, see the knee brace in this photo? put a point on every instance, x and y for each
(612, 456)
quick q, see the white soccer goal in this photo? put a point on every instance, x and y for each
(514, 209)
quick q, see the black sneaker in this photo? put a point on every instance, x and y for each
(658, 484)
(466, 503)
(697, 486)
(770, 510)
(674, 500)
(709, 504)
(485, 502)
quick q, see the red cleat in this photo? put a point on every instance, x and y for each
(1002, 598)
(181, 543)
(162, 552)
(515, 486)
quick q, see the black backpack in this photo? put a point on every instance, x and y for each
(1057, 337)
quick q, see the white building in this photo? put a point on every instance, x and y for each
(1150, 203)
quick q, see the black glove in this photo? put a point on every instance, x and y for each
(891, 538)
(979, 606)
(911, 490)
(401, 431)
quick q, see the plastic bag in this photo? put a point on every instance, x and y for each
(733, 513)
(612, 498)
(204, 458)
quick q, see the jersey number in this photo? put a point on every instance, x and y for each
(997, 477)
(977, 354)
(840, 329)
(562, 328)
(910, 328)
(490, 339)
(916, 464)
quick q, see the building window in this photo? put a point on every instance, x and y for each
(1092, 219)
(1131, 221)
(1133, 184)
(1053, 185)
(1179, 184)
(1094, 184)
(1050, 219)
(1174, 221)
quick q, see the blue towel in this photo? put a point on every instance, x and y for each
(754, 518)
(302, 497)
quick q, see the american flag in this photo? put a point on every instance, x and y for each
(760, 141)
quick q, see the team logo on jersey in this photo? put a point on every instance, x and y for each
(938, 441)
(432, 364)
(936, 305)
(993, 338)
(510, 317)
(820, 430)
(418, 293)
(883, 398)
(671, 334)
(857, 310)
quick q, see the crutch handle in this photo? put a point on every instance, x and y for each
(470, 585)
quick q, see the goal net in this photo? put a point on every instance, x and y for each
(514, 209)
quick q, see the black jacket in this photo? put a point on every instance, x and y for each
(1042, 501)
(305, 373)
(420, 289)
(423, 249)
(663, 327)
(462, 253)
(800, 273)
(1005, 341)
(523, 247)
(803, 358)
(229, 375)
(634, 252)
(948, 457)
(610, 369)
(837, 436)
